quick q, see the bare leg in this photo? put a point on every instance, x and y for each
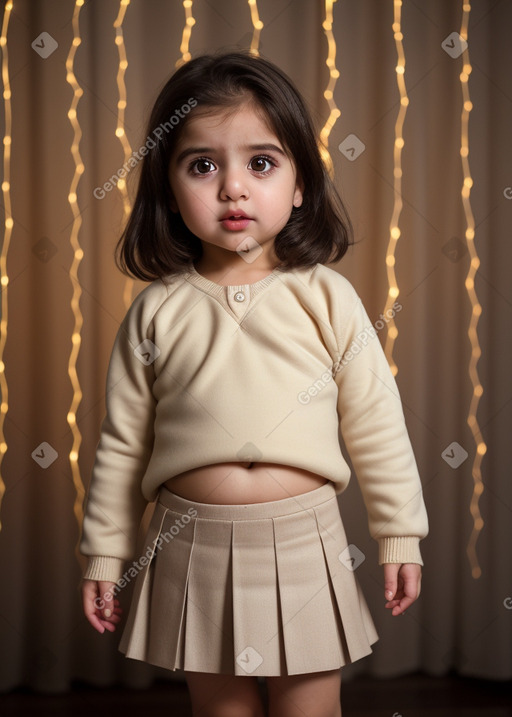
(224, 695)
(310, 695)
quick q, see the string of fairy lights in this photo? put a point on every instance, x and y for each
(334, 113)
(8, 227)
(120, 128)
(394, 228)
(187, 32)
(476, 308)
(257, 28)
(76, 338)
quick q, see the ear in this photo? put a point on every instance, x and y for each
(298, 195)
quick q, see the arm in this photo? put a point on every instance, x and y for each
(115, 503)
(373, 427)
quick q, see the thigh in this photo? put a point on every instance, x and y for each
(316, 694)
(215, 695)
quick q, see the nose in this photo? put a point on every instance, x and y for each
(233, 184)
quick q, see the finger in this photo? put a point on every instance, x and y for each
(107, 596)
(101, 625)
(100, 605)
(91, 611)
(402, 606)
(391, 580)
(115, 618)
(95, 622)
(108, 625)
(92, 606)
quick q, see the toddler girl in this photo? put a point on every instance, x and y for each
(231, 378)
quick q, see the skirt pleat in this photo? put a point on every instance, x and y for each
(254, 589)
(209, 606)
(168, 632)
(136, 635)
(354, 613)
(254, 585)
(304, 595)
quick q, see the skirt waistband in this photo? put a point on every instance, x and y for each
(250, 511)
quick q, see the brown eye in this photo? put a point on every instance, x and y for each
(260, 164)
(203, 166)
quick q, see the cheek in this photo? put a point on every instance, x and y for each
(283, 198)
(196, 201)
(195, 209)
(183, 198)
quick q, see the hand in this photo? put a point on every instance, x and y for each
(100, 607)
(402, 586)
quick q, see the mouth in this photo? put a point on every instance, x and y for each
(235, 220)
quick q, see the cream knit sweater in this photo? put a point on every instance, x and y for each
(271, 371)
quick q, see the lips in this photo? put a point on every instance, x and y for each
(235, 220)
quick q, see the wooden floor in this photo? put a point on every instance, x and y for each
(414, 696)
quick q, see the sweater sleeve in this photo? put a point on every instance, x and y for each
(115, 503)
(373, 427)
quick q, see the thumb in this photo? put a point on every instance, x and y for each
(106, 597)
(390, 580)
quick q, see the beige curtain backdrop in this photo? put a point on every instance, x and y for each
(461, 622)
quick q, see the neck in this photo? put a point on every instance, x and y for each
(229, 268)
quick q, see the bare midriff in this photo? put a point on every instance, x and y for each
(242, 483)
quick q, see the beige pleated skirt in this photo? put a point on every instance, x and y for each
(263, 589)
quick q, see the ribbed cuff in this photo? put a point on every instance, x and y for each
(402, 549)
(101, 567)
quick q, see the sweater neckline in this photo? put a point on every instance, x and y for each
(214, 289)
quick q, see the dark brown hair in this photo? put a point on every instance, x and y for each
(156, 241)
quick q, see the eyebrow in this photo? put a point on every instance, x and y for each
(267, 147)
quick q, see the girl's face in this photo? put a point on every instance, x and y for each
(232, 182)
